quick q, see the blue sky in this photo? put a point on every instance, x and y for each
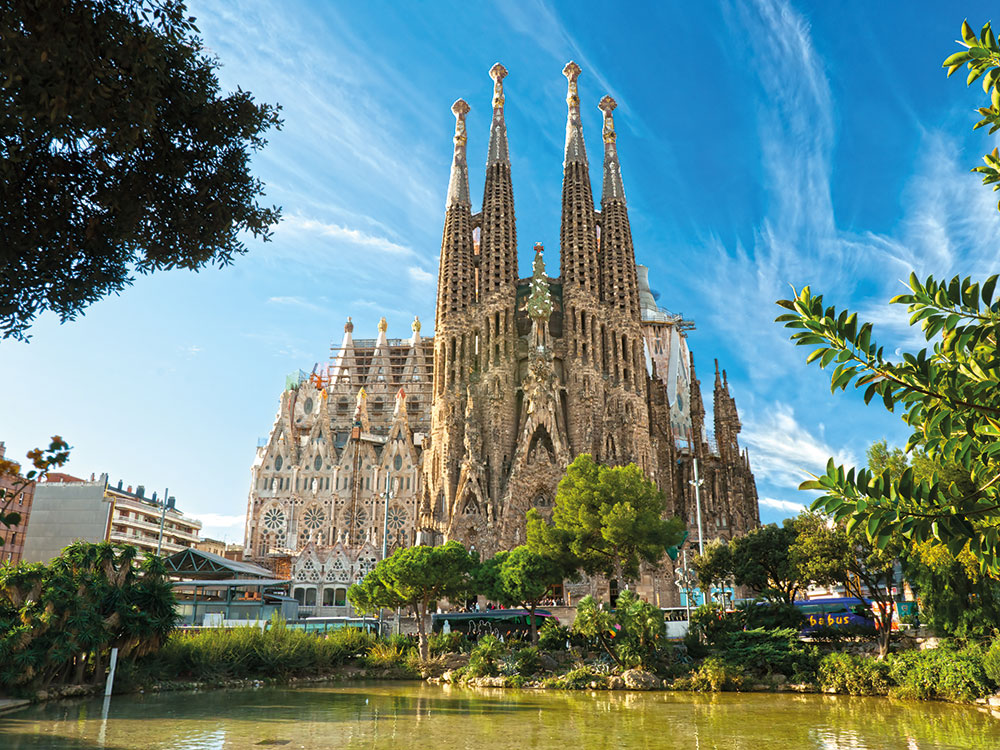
(762, 144)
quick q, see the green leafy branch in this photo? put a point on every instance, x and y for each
(981, 57)
(949, 396)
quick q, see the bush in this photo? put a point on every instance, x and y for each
(710, 622)
(770, 615)
(485, 657)
(448, 643)
(854, 675)
(553, 637)
(385, 655)
(715, 675)
(991, 661)
(528, 661)
(768, 652)
(942, 673)
(579, 678)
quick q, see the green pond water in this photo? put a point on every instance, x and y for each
(416, 716)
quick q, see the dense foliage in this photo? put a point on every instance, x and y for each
(519, 578)
(956, 597)
(633, 634)
(607, 521)
(118, 153)
(215, 655)
(58, 621)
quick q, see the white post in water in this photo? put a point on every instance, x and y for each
(111, 672)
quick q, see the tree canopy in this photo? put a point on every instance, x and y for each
(118, 153)
(607, 520)
(416, 577)
(520, 578)
(57, 620)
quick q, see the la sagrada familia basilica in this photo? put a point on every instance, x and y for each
(421, 440)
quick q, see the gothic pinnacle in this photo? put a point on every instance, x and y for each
(458, 184)
(498, 152)
(575, 150)
(613, 188)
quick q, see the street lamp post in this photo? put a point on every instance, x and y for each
(696, 483)
(163, 518)
(386, 495)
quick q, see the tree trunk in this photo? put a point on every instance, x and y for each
(534, 625)
(425, 648)
(883, 624)
(98, 675)
(81, 663)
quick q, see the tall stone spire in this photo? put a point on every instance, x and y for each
(455, 272)
(619, 284)
(578, 233)
(498, 152)
(613, 189)
(498, 245)
(458, 185)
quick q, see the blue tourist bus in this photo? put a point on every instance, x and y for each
(321, 625)
(835, 612)
(499, 622)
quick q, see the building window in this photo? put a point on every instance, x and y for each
(310, 597)
(340, 598)
(327, 597)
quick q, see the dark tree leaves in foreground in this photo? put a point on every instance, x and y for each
(118, 154)
(608, 520)
(949, 393)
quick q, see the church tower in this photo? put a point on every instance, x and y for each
(456, 293)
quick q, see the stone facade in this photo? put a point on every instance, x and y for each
(521, 376)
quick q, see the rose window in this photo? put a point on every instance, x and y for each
(274, 519)
(357, 518)
(313, 518)
(396, 519)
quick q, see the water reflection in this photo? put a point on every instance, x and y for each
(418, 716)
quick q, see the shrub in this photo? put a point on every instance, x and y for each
(553, 636)
(715, 675)
(710, 622)
(448, 643)
(991, 661)
(528, 660)
(486, 654)
(855, 675)
(579, 678)
(387, 655)
(944, 672)
(770, 615)
(768, 651)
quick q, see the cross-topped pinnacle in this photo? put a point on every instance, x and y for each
(498, 72)
(460, 108)
(607, 106)
(572, 72)
(458, 184)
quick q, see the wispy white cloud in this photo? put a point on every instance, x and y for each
(421, 276)
(784, 452)
(782, 505)
(300, 303)
(302, 224)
